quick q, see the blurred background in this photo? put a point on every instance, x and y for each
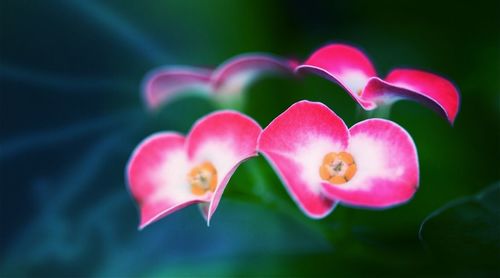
(71, 114)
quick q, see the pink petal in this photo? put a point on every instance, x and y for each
(237, 73)
(345, 65)
(204, 210)
(225, 139)
(163, 85)
(156, 175)
(387, 166)
(430, 89)
(295, 143)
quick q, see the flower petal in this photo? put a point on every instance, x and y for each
(225, 139)
(430, 89)
(345, 65)
(204, 210)
(237, 73)
(156, 177)
(295, 143)
(164, 84)
(387, 166)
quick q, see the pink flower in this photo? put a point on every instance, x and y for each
(168, 171)
(321, 162)
(351, 68)
(224, 83)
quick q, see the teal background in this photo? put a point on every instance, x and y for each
(71, 114)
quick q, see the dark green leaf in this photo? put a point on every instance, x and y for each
(466, 232)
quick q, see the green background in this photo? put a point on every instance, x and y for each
(71, 114)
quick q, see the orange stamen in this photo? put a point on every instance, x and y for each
(337, 180)
(349, 173)
(337, 168)
(203, 178)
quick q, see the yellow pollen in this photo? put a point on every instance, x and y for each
(337, 168)
(203, 178)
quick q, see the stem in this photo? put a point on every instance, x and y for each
(235, 101)
(383, 111)
(262, 193)
(361, 114)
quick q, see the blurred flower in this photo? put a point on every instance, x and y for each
(225, 84)
(168, 171)
(321, 162)
(351, 68)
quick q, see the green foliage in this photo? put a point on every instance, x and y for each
(466, 232)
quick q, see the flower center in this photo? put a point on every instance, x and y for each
(337, 168)
(203, 178)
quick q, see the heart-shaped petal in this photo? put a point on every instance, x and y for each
(387, 166)
(229, 80)
(427, 88)
(156, 176)
(226, 139)
(352, 69)
(345, 65)
(165, 84)
(167, 172)
(295, 143)
(239, 72)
